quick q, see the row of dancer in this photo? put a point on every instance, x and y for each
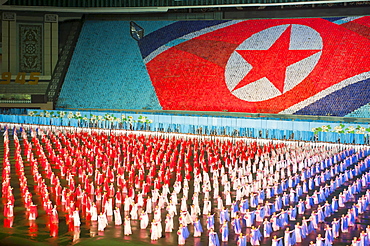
(127, 190)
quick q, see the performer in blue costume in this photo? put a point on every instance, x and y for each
(260, 213)
(285, 199)
(328, 235)
(224, 215)
(309, 202)
(351, 217)
(311, 184)
(278, 203)
(275, 222)
(344, 223)
(364, 239)
(185, 232)
(197, 228)
(269, 192)
(237, 225)
(267, 209)
(255, 236)
(277, 241)
(319, 240)
(305, 227)
(213, 239)
(311, 228)
(224, 232)
(278, 188)
(249, 218)
(334, 204)
(301, 207)
(253, 200)
(299, 190)
(292, 213)
(181, 235)
(335, 228)
(241, 240)
(288, 237)
(320, 214)
(327, 242)
(234, 209)
(261, 196)
(327, 209)
(293, 196)
(210, 221)
(244, 205)
(267, 228)
(305, 187)
(284, 218)
(298, 232)
(293, 239)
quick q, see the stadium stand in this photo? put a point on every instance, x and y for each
(106, 71)
(170, 131)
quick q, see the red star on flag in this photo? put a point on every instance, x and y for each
(272, 63)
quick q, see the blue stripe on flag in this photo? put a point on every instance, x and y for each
(154, 40)
(342, 101)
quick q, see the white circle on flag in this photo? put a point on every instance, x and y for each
(301, 38)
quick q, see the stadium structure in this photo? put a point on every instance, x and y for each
(185, 122)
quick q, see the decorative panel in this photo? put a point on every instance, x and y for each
(30, 48)
(51, 18)
(9, 16)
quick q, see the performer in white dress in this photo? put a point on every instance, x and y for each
(102, 222)
(94, 212)
(169, 223)
(144, 220)
(117, 216)
(154, 231)
(127, 226)
(109, 207)
(76, 218)
(134, 210)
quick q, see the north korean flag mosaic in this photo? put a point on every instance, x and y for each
(290, 66)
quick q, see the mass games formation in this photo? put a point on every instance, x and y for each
(224, 190)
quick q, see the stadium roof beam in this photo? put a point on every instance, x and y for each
(159, 9)
(92, 10)
(246, 5)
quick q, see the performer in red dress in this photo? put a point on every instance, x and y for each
(32, 215)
